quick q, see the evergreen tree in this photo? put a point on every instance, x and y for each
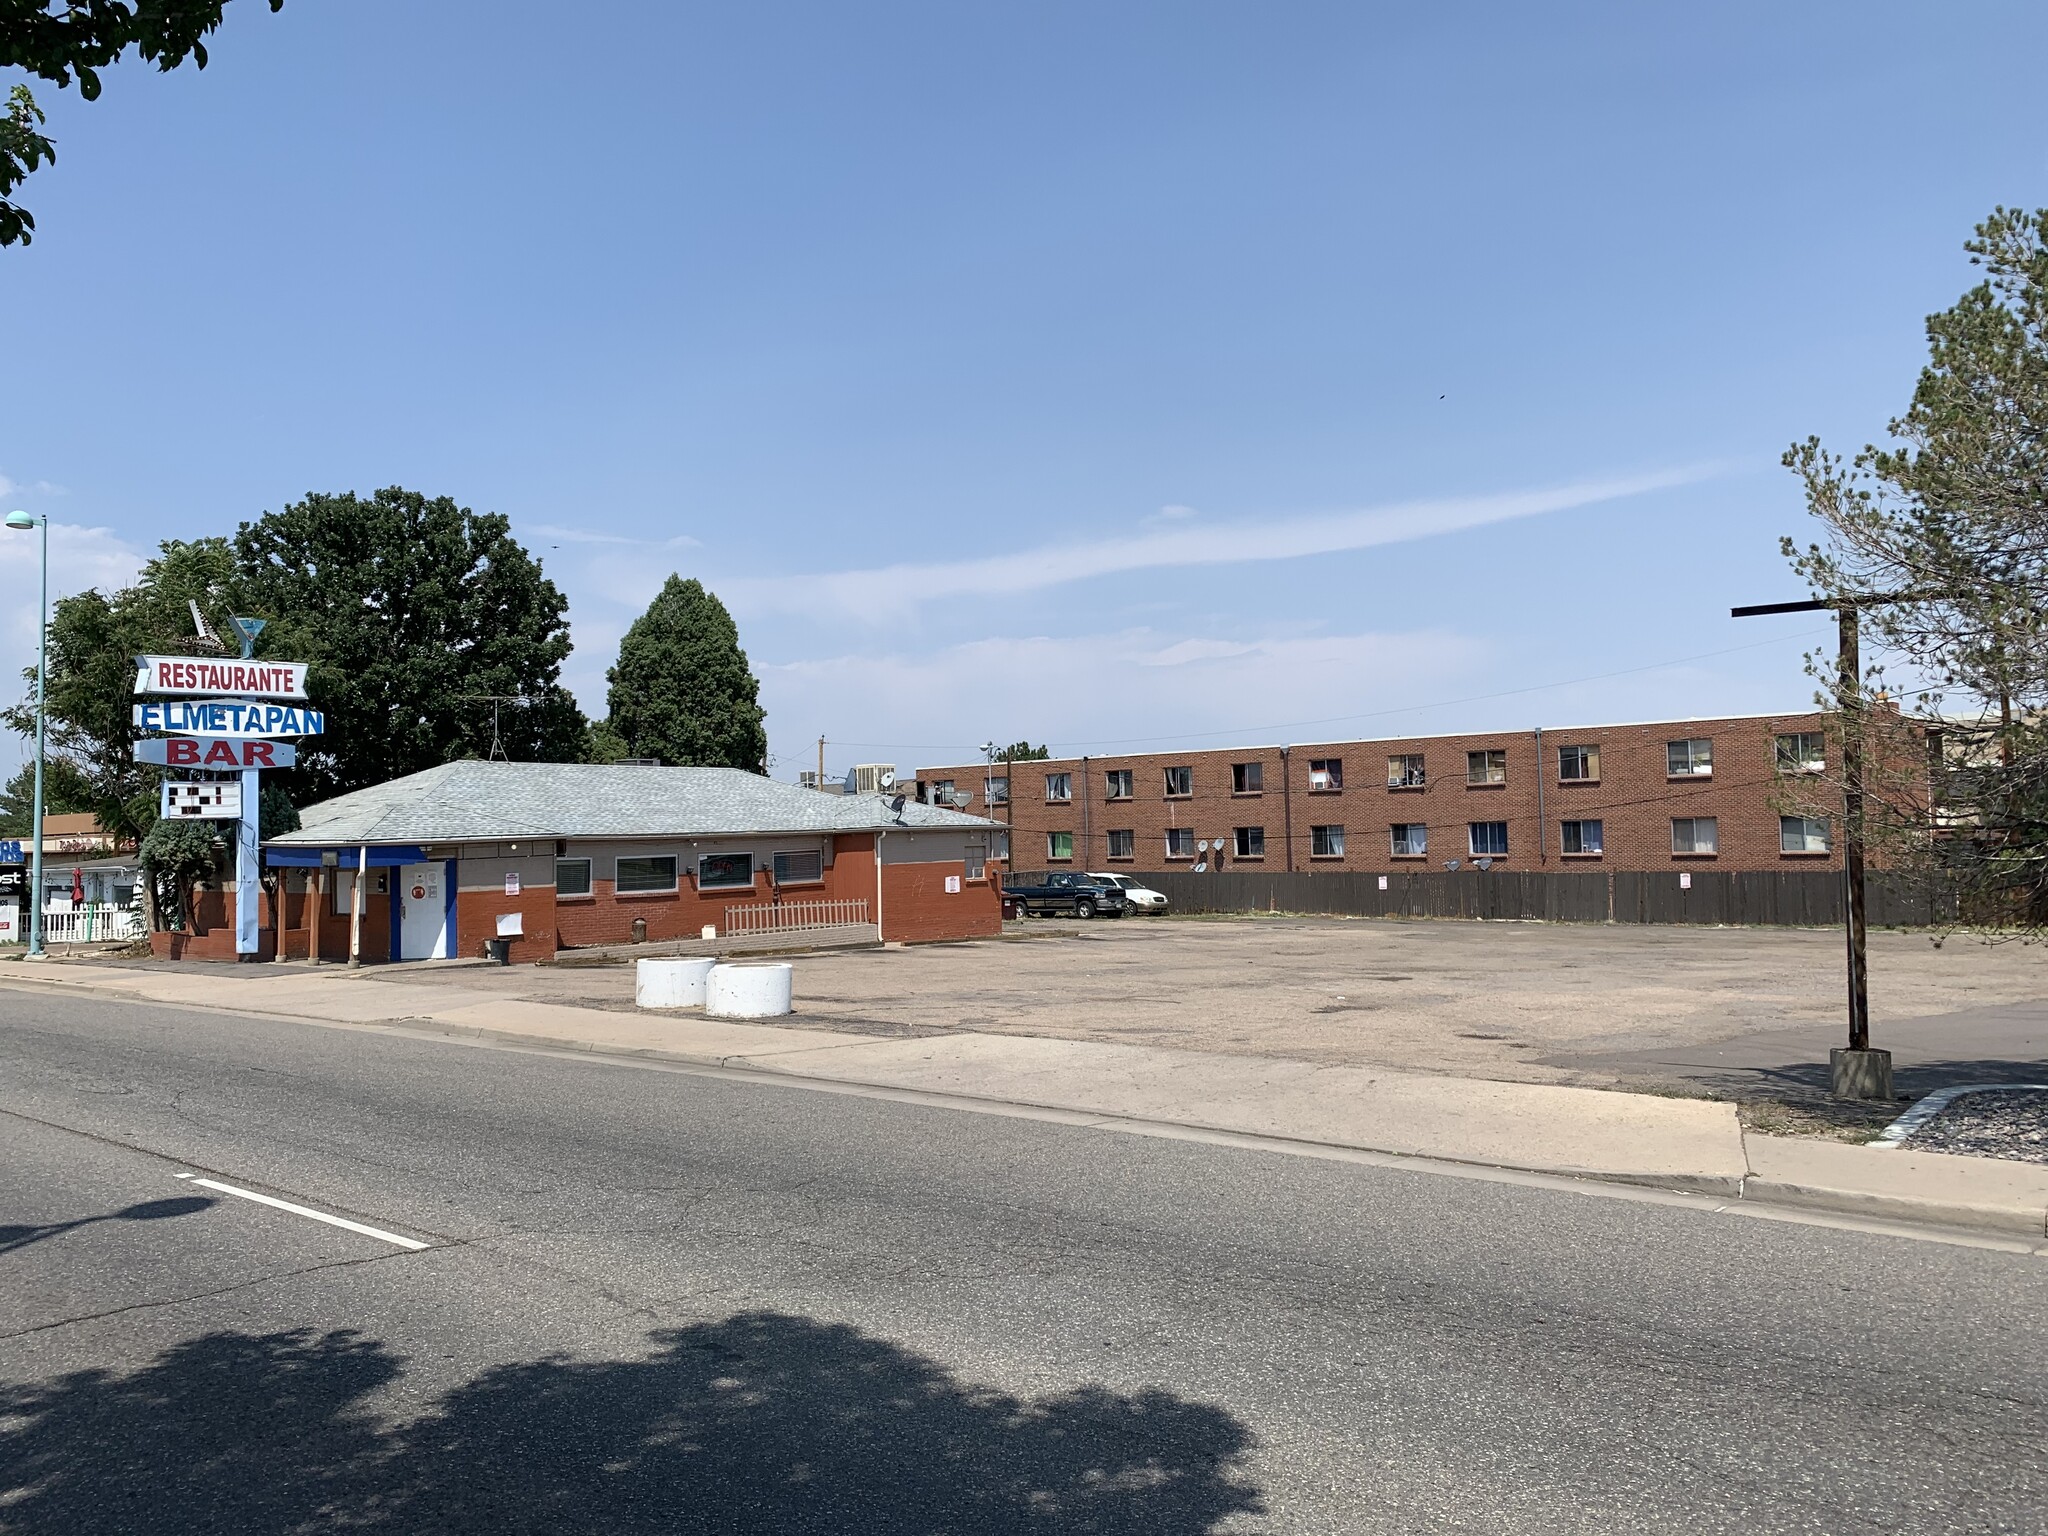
(682, 690)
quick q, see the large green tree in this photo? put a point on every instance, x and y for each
(1947, 526)
(681, 690)
(66, 791)
(427, 626)
(63, 41)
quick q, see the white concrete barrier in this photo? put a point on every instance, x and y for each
(670, 983)
(748, 991)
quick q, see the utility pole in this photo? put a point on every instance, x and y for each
(1857, 1072)
(821, 762)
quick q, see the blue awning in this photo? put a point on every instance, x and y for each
(299, 857)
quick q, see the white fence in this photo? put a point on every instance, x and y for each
(793, 916)
(93, 921)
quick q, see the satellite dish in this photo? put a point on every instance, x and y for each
(1484, 863)
(887, 781)
(1452, 864)
(1200, 865)
(962, 798)
(896, 807)
(1203, 846)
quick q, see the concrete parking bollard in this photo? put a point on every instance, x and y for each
(748, 991)
(670, 983)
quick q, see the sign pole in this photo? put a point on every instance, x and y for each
(355, 915)
(248, 867)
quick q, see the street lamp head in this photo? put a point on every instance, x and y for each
(20, 519)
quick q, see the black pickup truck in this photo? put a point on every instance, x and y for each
(1070, 892)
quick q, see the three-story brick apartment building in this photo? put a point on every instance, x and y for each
(1662, 795)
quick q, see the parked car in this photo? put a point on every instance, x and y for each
(1070, 892)
(1141, 898)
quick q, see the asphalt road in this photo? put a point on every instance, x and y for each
(659, 1302)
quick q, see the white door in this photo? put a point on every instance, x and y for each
(422, 912)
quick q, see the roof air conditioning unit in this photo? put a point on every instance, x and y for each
(874, 778)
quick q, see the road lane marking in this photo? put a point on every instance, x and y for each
(301, 1210)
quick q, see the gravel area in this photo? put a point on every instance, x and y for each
(2009, 1124)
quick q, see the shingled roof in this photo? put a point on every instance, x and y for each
(480, 801)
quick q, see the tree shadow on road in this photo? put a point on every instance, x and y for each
(762, 1422)
(13, 1237)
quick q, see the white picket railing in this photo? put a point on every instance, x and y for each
(90, 923)
(793, 916)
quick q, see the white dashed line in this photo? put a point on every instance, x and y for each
(300, 1210)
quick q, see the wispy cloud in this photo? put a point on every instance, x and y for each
(556, 534)
(29, 488)
(890, 592)
(1076, 689)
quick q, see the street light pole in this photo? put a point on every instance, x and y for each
(1857, 1072)
(22, 521)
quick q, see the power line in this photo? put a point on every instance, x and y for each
(1377, 714)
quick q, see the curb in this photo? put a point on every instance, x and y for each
(1750, 1191)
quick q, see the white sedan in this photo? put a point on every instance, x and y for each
(1142, 898)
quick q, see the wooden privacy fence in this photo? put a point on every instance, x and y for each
(793, 916)
(1801, 897)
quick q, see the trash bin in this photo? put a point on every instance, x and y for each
(499, 950)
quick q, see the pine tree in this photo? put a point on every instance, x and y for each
(682, 690)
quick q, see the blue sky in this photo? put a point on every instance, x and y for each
(1116, 375)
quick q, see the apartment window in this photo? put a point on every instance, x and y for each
(940, 792)
(998, 791)
(1693, 758)
(652, 872)
(1326, 842)
(1059, 788)
(1179, 781)
(1404, 771)
(1488, 839)
(999, 845)
(1578, 765)
(572, 877)
(1802, 752)
(1250, 842)
(1802, 834)
(1117, 784)
(1411, 840)
(1325, 773)
(1059, 845)
(1123, 845)
(1486, 767)
(1695, 834)
(725, 872)
(1247, 778)
(1180, 842)
(806, 866)
(977, 861)
(1581, 837)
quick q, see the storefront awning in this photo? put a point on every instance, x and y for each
(389, 857)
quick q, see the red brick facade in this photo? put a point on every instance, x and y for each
(1264, 806)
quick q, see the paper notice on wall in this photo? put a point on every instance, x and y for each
(510, 925)
(511, 885)
(1383, 882)
(1684, 881)
(952, 885)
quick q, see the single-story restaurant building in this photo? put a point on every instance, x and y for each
(557, 856)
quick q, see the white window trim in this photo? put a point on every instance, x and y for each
(589, 877)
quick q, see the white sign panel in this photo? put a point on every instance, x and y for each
(221, 801)
(10, 923)
(216, 752)
(220, 674)
(511, 885)
(952, 885)
(229, 717)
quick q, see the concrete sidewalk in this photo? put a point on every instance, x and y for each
(1670, 1143)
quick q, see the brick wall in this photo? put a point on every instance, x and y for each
(916, 905)
(1634, 799)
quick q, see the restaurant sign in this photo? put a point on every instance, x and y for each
(216, 674)
(226, 752)
(229, 717)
